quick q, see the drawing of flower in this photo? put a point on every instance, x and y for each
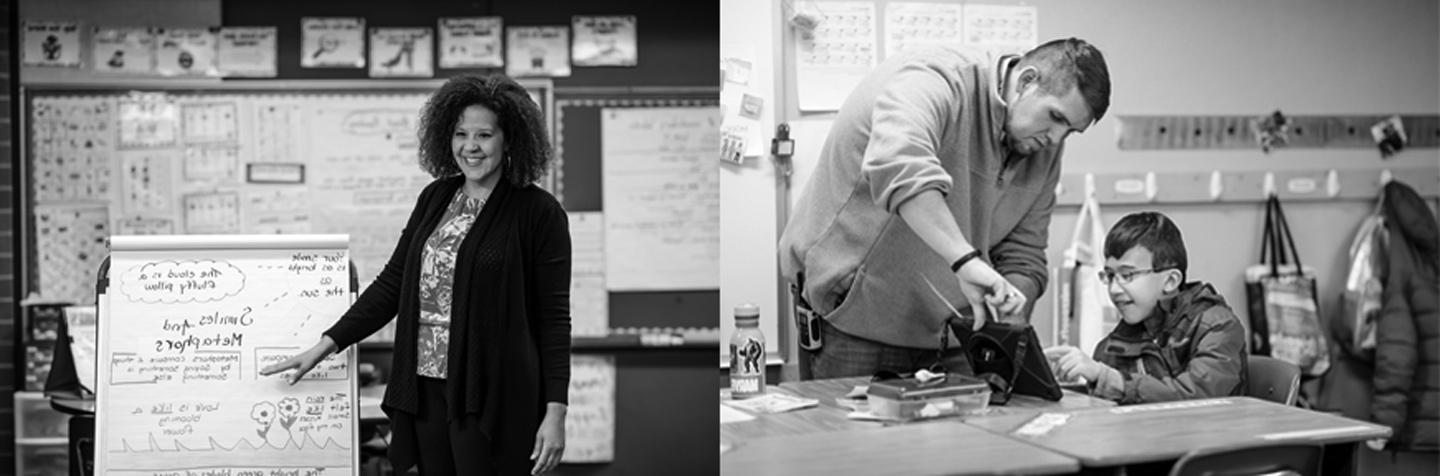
(289, 411)
(264, 414)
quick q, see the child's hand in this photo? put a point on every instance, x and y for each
(1070, 363)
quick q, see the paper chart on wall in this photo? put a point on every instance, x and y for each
(72, 241)
(661, 194)
(247, 51)
(278, 128)
(332, 42)
(144, 226)
(122, 50)
(277, 209)
(590, 418)
(589, 299)
(209, 122)
(910, 26)
(1002, 29)
(369, 186)
(189, 323)
(73, 148)
(212, 163)
(148, 120)
(537, 51)
(471, 42)
(147, 182)
(51, 43)
(834, 57)
(215, 213)
(187, 52)
(604, 40)
(402, 52)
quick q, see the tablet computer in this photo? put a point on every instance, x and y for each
(1011, 352)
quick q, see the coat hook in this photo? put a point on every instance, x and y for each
(1268, 186)
(1217, 186)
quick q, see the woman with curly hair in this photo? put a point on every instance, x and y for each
(480, 281)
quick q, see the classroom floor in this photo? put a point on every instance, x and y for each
(1374, 463)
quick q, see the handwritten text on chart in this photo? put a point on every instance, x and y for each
(333, 368)
(196, 367)
(310, 263)
(173, 282)
(371, 122)
(243, 472)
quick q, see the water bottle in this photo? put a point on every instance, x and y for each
(747, 354)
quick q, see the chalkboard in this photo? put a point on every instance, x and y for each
(186, 325)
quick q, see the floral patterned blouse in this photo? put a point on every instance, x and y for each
(437, 275)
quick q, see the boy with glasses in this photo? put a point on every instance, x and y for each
(1175, 341)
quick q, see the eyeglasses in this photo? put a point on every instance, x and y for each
(1125, 277)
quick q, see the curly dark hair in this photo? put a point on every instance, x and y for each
(527, 145)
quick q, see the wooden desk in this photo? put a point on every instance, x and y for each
(1104, 437)
(943, 447)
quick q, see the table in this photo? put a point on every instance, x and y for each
(941, 447)
(1105, 437)
(827, 390)
(821, 419)
(821, 439)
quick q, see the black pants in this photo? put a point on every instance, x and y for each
(448, 447)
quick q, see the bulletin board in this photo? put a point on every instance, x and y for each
(582, 153)
(279, 160)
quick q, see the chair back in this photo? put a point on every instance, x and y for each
(1273, 379)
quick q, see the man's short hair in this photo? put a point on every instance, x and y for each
(1156, 233)
(1073, 62)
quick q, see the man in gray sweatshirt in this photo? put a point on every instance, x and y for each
(941, 166)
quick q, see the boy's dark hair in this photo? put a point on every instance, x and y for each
(1073, 62)
(527, 145)
(1156, 233)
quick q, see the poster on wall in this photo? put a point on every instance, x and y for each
(51, 43)
(470, 42)
(1002, 29)
(913, 25)
(122, 50)
(247, 51)
(186, 52)
(402, 53)
(537, 51)
(605, 40)
(332, 42)
(148, 120)
(832, 58)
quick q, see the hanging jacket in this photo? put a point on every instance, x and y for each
(1407, 350)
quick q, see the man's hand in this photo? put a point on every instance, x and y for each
(1071, 364)
(985, 288)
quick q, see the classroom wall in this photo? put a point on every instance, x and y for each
(1174, 57)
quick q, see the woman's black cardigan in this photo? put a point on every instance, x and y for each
(510, 319)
